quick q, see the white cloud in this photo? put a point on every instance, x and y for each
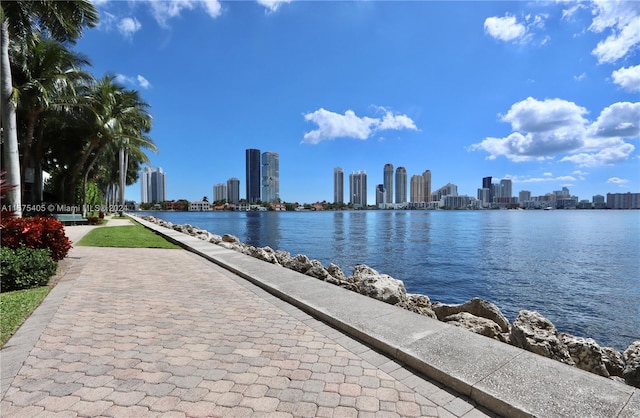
(505, 28)
(143, 82)
(547, 174)
(509, 29)
(580, 77)
(567, 14)
(546, 179)
(628, 78)
(620, 120)
(606, 156)
(272, 5)
(333, 125)
(554, 127)
(128, 26)
(163, 11)
(617, 180)
(622, 20)
(138, 81)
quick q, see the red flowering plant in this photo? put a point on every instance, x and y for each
(7, 212)
(36, 232)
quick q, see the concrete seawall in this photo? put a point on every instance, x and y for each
(505, 379)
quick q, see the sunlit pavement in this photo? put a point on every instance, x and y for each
(157, 332)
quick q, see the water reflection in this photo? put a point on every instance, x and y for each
(262, 229)
(339, 235)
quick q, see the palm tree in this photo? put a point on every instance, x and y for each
(116, 119)
(46, 76)
(64, 20)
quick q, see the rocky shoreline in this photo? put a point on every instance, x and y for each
(530, 330)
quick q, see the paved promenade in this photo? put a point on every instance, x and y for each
(158, 332)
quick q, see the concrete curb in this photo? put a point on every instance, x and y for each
(505, 379)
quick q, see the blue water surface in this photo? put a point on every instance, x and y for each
(580, 269)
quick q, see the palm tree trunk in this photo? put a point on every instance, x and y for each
(123, 160)
(9, 125)
(84, 184)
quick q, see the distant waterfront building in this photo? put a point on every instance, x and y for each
(380, 195)
(338, 186)
(199, 206)
(388, 182)
(623, 200)
(456, 202)
(253, 175)
(426, 176)
(358, 189)
(505, 188)
(599, 202)
(523, 196)
(417, 189)
(270, 177)
(486, 184)
(484, 197)
(233, 190)
(153, 184)
(448, 189)
(401, 185)
(219, 192)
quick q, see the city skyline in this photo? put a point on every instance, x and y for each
(543, 93)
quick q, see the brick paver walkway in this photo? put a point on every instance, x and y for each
(155, 332)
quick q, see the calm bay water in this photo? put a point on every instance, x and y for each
(580, 269)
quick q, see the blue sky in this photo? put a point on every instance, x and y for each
(544, 93)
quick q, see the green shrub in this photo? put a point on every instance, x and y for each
(24, 268)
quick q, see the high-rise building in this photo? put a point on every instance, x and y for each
(380, 195)
(486, 184)
(387, 181)
(417, 189)
(338, 186)
(426, 176)
(401, 185)
(153, 185)
(623, 200)
(484, 196)
(448, 189)
(270, 177)
(219, 192)
(233, 190)
(358, 189)
(523, 196)
(253, 175)
(505, 188)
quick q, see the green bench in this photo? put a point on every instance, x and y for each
(71, 219)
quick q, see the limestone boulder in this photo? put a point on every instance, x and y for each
(284, 257)
(317, 270)
(230, 238)
(533, 332)
(215, 239)
(264, 254)
(379, 286)
(477, 307)
(586, 354)
(419, 304)
(299, 263)
(336, 272)
(631, 356)
(613, 361)
(477, 324)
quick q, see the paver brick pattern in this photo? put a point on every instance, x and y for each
(153, 332)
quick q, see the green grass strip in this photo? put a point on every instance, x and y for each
(16, 306)
(134, 236)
